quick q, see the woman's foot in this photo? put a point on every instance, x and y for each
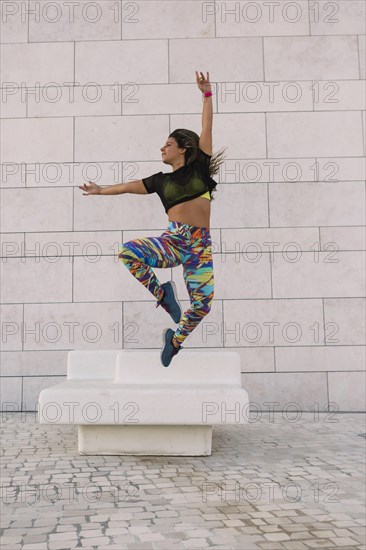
(168, 350)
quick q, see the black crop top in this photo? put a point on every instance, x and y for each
(184, 184)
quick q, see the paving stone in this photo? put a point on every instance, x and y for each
(138, 529)
(234, 523)
(147, 537)
(323, 534)
(92, 533)
(140, 546)
(30, 539)
(124, 539)
(112, 532)
(295, 546)
(249, 530)
(319, 543)
(9, 539)
(62, 536)
(200, 533)
(342, 533)
(345, 523)
(34, 546)
(270, 546)
(276, 536)
(170, 511)
(301, 535)
(97, 541)
(71, 520)
(345, 541)
(195, 543)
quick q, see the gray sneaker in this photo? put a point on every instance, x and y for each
(168, 351)
(169, 301)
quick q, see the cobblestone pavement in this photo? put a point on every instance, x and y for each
(271, 484)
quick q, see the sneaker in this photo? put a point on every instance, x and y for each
(168, 351)
(169, 301)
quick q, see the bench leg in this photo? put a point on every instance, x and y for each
(176, 440)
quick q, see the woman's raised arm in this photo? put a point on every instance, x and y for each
(205, 143)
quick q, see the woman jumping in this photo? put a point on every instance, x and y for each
(186, 193)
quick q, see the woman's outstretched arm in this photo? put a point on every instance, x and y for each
(136, 187)
(204, 85)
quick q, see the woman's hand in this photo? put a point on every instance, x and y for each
(204, 84)
(91, 188)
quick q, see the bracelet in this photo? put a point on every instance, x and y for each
(208, 94)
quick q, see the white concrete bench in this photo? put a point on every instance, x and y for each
(125, 402)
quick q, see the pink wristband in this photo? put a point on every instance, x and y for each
(208, 94)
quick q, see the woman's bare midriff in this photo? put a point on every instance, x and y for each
(194, 212)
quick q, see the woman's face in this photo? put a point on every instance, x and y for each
(171, 152)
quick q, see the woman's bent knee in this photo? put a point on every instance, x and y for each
(124, 253)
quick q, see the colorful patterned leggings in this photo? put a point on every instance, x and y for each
(179, 244)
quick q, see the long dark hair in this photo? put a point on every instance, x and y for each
(188, 140)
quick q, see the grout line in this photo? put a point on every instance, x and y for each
(192, 38)
(192, 113)
(267, 298)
